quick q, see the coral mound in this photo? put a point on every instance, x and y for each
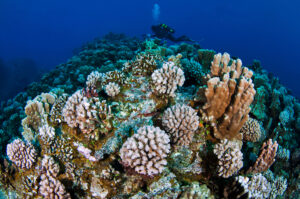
(146, 151)
(116, 121)
(23, 155)
(167, 79)
(181, 121)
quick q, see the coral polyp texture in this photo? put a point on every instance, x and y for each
(251, 130)
(126, 118)
(94, 80)
(230, 158)
(167, 79)
(146, 151)
(50, 187)
(85, 113)
(112, 89)
(181, 121)
(22, 154)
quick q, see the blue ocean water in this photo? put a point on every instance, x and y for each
(35, 36)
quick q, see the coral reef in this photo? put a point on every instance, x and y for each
(125, 118)
(259, 187)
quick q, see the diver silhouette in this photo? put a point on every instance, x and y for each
(163, 31)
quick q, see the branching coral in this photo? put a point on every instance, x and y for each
(266, 157)
(259, 187)
(94, 80)
(112, 89)
(251, 130)
(46, 132)
(56, 111)
(85, 113)
(115, 76)
(143, 65)
(230, 158)
(181, 121)
(23, 155)
(228, 96)
(278, 187)
(146, 151)
(50, 187)
(167, 79)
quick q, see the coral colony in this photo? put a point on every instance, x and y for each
(126, 118)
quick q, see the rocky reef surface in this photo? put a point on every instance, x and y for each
(126, 118)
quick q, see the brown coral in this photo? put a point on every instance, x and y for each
(266, 157)
(228, 96)
(181, 121)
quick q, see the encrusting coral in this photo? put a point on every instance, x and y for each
(167, 79)
(146, 151)
(23, 155)
(227, 97)
(229, 156)
(181, 121)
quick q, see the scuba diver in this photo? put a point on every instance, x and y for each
(163, 31)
